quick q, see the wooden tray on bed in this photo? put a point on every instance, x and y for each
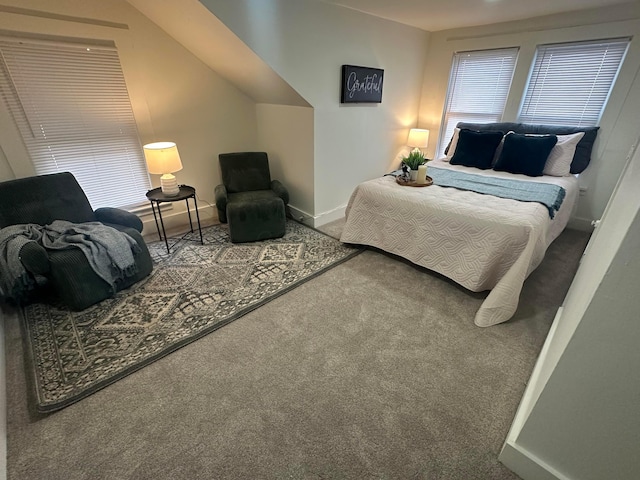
(412, 183)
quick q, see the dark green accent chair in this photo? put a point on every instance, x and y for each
(45, 198)
(254, 205)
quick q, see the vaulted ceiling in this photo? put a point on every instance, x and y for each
(198, 30)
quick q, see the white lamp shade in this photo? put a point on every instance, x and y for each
(418, 137)
(162, 157)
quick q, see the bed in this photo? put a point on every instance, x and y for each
(481, 241)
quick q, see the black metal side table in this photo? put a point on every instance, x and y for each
(156, 197)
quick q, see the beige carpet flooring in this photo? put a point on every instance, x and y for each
(373, 370)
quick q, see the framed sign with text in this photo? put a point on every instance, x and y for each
(361, 84)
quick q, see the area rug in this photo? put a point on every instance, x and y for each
(191, 292)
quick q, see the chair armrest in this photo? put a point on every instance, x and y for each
(34, 258)
(220, 193)
(119, 217)
(280, 190)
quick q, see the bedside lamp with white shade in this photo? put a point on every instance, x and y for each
(418, 138)
(163, 159)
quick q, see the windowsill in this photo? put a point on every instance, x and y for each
(144, 209)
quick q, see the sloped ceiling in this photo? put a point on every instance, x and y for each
(197, 29)
(435, 15)
(200, 32)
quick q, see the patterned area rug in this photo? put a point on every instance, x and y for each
(191, 292)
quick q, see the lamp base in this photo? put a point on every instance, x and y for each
(169, 185)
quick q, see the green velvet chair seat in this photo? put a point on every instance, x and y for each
(254, 205)
(42, 200)
(78, 286)
(251, 220)
(250, 197)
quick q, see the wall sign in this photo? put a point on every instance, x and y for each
(361, 84)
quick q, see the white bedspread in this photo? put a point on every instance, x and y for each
(480, 241)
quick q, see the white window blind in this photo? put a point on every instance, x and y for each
(570, 83)
(478, 88)
(71, 106)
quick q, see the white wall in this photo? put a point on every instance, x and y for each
(579, 417)
(286, 133)
(306, 43)
(204, 35)
(619, 121)
(173, 94)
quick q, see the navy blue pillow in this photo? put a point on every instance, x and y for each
(525, 154)
(476, 149)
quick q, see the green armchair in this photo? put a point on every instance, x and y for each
(254, 205)
(43, 199)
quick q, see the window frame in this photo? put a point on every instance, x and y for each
(111, 154)
(536, 79)
(447, 125)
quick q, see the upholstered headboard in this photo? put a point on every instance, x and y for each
(581, 158)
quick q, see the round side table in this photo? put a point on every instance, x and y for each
(156, 197)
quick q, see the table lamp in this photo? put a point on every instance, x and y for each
(163, 159)
(418, 138)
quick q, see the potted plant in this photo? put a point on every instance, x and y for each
(413, 161)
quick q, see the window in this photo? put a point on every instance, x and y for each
(570, 83)
(71, 106)
(478, 88)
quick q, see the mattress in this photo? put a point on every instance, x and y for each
(480, 241)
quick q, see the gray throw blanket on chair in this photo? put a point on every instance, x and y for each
(110, 252)
(14, 279)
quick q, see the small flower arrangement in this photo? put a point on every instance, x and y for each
(415, 159)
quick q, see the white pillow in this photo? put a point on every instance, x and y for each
(454, 143)
(559, 161)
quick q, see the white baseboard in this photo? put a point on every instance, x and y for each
(317, 220)
(526, 465)
(330, 216)
(301, 216)
(209, 213)
(173, 219)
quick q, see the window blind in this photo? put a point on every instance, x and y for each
(478, 88)
(71, 106)
(570, 83)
